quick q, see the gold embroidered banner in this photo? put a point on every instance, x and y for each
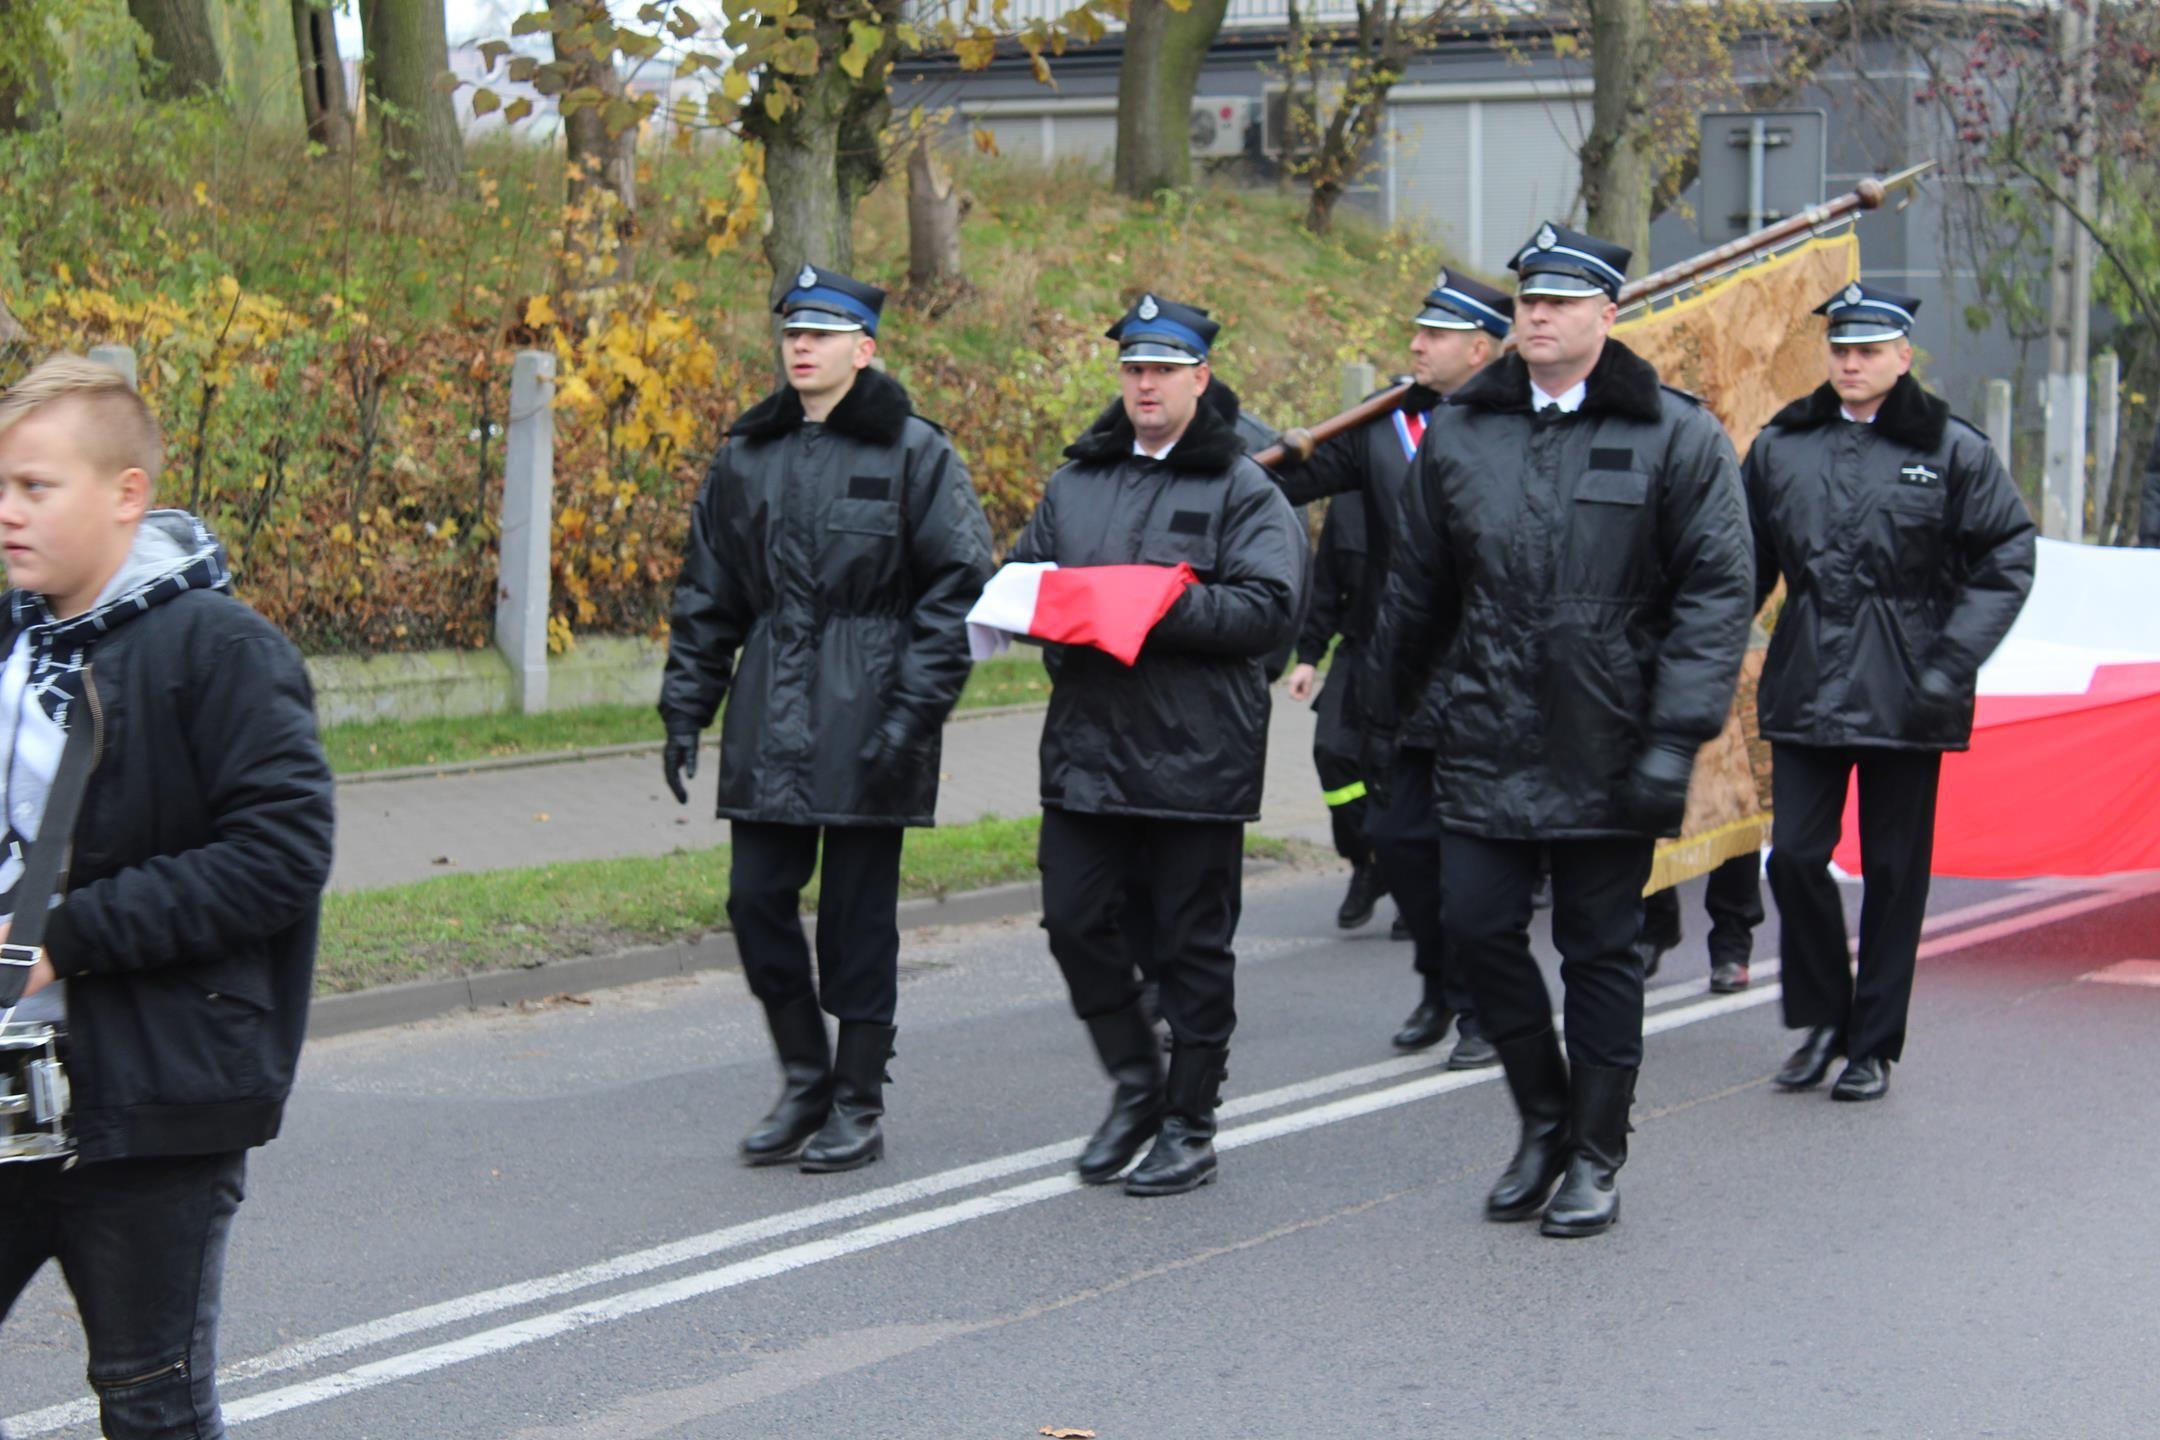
(1748, 345)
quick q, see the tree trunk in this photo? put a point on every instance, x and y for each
(183, 44)
(1617, 180)
(1158, 69)
(11, 329)
(407, 57)
(933, 224)
(322, 77)
(602, 172)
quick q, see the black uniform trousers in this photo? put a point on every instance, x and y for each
(142, 1245)
(1342, 781)
(858, 929)
(1485, 889)
(1734, 902)
(1195, 870)
(1897, 844)
(1406, 839)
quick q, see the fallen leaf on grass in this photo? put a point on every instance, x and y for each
(1060, 1432)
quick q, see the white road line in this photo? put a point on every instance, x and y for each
(59, 1417)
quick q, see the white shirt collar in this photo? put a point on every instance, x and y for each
(1569, 400)
(1856, 419)
(1162, 454)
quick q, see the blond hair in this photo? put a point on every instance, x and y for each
(115, 428)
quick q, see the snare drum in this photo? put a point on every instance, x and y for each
(34, 1100)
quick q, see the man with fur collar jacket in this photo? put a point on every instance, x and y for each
(833, 556)
(1164, 756)
(1575, 567)
(179, 960)
(1906, 554)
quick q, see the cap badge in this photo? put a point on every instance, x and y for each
(1148, 308)
(808, 279)
(1547, 237)
(1854, 294)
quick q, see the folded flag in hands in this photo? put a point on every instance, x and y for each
(1111, 607)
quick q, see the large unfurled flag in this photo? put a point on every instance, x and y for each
(1111, 607)
(2063, 777)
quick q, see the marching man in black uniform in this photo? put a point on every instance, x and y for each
(832, 558)
(1906, 554)
(1456, 333)
(1164, 757)
(1575, 567)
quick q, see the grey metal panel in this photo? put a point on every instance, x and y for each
(1430, 183)
(1530, 172)
(1019, 137)
(1083, 137)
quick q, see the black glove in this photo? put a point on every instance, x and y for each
(1376, 765)
(886, 758)
(1656, 793)
(1937, 701)
(678, 760)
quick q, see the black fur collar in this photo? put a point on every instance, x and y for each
(1909, 415)
(1621, 384)
(1207, 447)
(875, 409)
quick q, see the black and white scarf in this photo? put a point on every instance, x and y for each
(59, 649)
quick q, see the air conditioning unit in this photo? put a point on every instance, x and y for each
(1218, 124)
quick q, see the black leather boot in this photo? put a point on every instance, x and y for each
(1362, 898)
(806, 1085)
(850, 1138)
(1426, 1025)
(1126, 1042)
(1588, 1202)
(1183, 1155)
(1538, 1079)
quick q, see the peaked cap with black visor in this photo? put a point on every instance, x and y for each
(1163, 332)
(1456, 302)
(1563, 264)
(1863, 315)
(827, 300)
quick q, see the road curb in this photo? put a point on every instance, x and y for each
(604, 752)
(386, 1005)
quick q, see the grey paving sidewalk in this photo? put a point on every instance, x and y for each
(392, 831)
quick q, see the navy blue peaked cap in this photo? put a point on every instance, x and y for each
(1457, 302)
(1162, 332)
(1564, 263)
(824, 299)
(1864, 315)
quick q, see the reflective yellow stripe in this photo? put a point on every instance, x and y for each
(1355, 790)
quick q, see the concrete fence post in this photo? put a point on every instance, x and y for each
(2107, 423)
(528, 518)
(116, 357)
(1358, 380)
(2000, 408)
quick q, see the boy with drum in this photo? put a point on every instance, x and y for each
(164, 783)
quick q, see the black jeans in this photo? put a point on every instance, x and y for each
(858, 930)
(1196, 878)
(1897, 844)
(1406, 839)
(1485, 888)
(1734, 902)
(142, 1244)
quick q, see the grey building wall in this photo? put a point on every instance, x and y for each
(1480, 148)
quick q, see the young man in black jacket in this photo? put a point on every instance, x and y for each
(179, 959)
(1906, 554)
(833, 556)
(1166, 755)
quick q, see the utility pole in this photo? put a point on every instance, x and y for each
(2070, 287)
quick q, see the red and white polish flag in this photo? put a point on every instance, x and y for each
(2063, 777)
(1110, 607)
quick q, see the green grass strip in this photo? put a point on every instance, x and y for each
(504, 919)
(389, 744)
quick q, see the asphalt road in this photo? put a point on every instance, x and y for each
(531, 1225)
